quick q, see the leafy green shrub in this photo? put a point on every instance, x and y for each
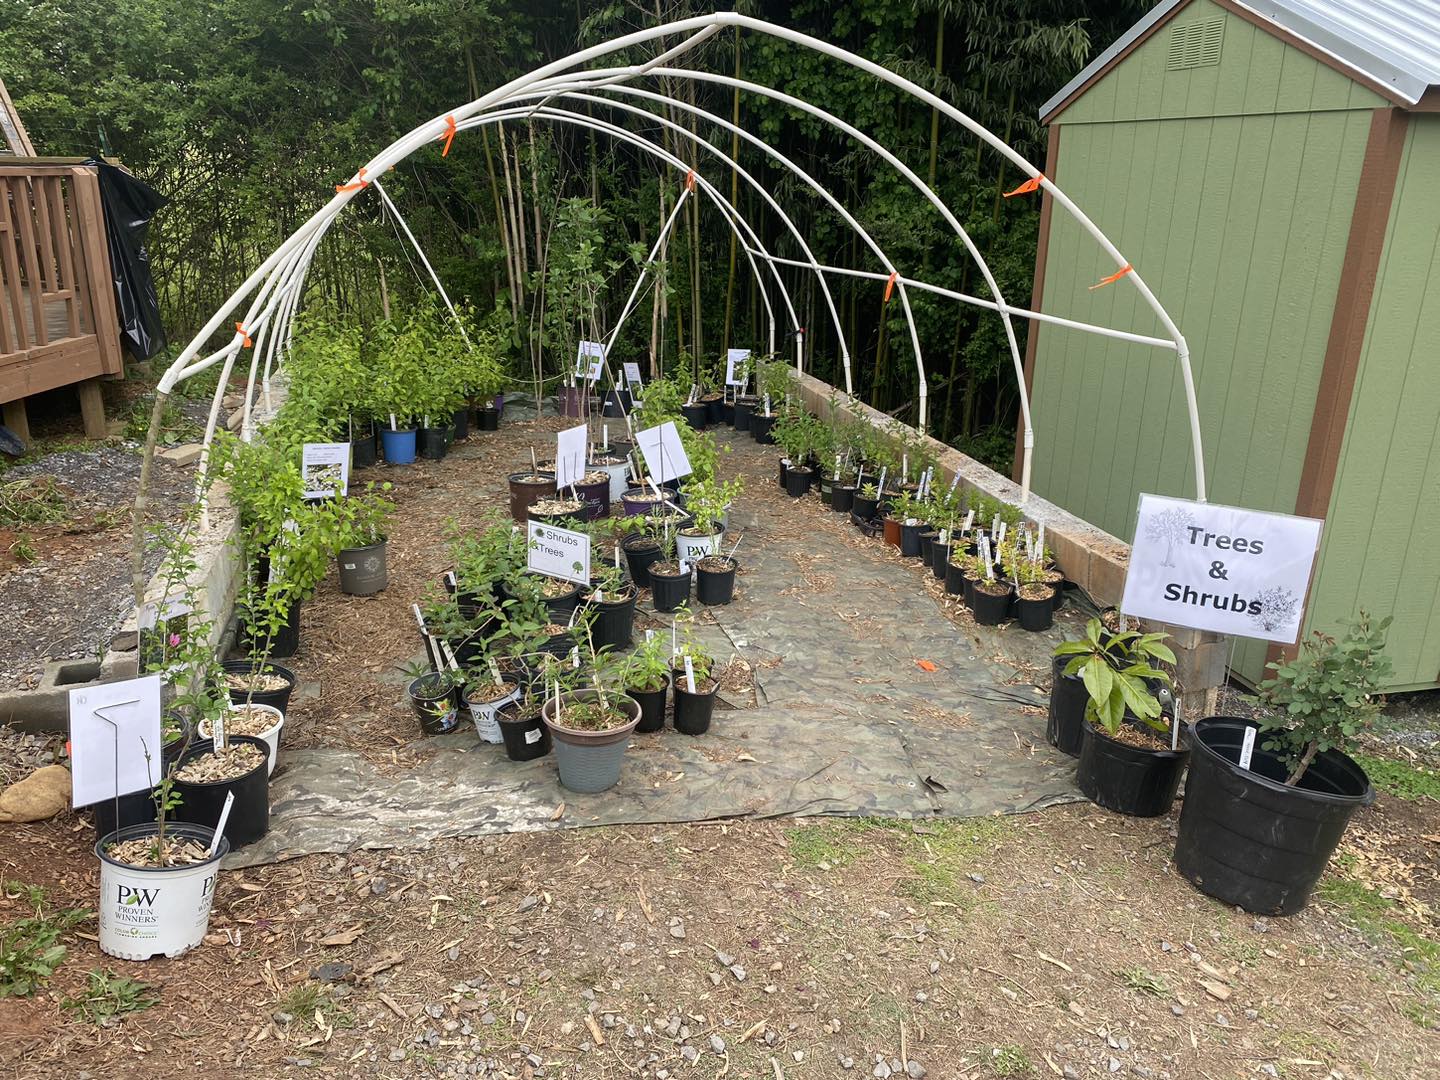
(1117, 670)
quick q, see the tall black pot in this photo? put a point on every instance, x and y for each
(715, 580)
(842, 498)
(652, 707)
(760, 426)
(692, 711)
(669, 591)
(614, 624)
(797, 480)
(641, 552)
(1068, 698)
(910, 539)
(434, 442)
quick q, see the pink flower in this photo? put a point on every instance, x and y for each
(174, 641)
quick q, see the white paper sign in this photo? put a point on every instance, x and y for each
(632, 375)
(569, 456)
(558, 553)
(589, 359)
(326, 468)
(112, 728)
(664, 454)
(1220, 568)
(735, 374)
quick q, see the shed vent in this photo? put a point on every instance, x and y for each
(1195, 45)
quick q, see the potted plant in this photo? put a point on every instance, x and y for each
(611, 601)
(251, 718)
(432, 696)
(1126, 761)
(669, 578)
(692, 676)
(354, 528)
(645, 676)
(906, 511)
(794, 431)
(1257, 830)
(715, 579)
(590, 727)
(1034, 597)
(1065, 724)
(990, 596)
(708, 503)
(866, 501)
(400, 388)
(485, 692)
(523, 728)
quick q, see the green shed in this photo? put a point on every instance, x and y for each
(1273, 169)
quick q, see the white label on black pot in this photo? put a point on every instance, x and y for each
(112, 728)
(944, 536)
(689, 674)
(532, 736)
(767, 404)
(1247, 748)
(217, 731)
(575, 656)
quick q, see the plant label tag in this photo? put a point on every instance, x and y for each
(224, 820)
(689, 674)
(575, 657)
(1040, 540)
(664, 453)
(590, 357)
(326, 469)
(617, 556)
(558, 553)
(632, 375)
(837, 466)
(880, 489)
(1247, 748)
(217, 731)
(954, 482)
(1226, 569)
(904, 468)
(115, 737)
(944, 537)
(767, 404)
(969, 521)
(735, 374)
(494, 670)
(532, 736)
(649, 636)
(570, 456)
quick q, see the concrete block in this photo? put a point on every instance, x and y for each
(182, 455)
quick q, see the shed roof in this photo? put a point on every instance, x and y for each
(1392, 45)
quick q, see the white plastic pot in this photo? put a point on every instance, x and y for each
(271, 735)
(484, 712)
(154, 911)
(619, 479)
(691, 549)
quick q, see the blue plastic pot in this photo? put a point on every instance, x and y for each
(399, 446)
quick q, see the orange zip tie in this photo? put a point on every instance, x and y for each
(356, 184)
(690, 180)
(890, 285)
(240, 329)
(1116, 276)
(448, 135)
(1033, 184)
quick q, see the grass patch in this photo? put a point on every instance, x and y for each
(30, 948)
(1145, 981)
(1399, 778)
(945, 855)
(108, 995)
(1010, 1061)
(309, 1004)
(34, 501)
(1417, 955)
(823, 846)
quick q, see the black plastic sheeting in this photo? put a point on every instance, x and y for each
(129, 206)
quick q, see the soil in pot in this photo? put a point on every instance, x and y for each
(263, 683)
(744, 412)
(556, 511)
(484, 700)
(524, 732)
(797, 480)
(363, 449)
(927, 545)
(264, 722)
(641, 552)
(362, 570)
(715, 580)
(954, 579)
(638, 501)
(693, 712)
(1135, 773)
(669, 586)
(1035, 606)
(760, 426)
(1068, 697)
(204, 777)
(652, 706)
(527, 489)
(714, 408)
(487, 418)
(1246, 838)
(992, 602)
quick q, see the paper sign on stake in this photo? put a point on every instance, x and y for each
(558, 553)
(112, 729)
(589, 360)
(1226, 569)
(1247, 748)
(632, 375)
(664, 453)
(326, 469)
(569, 456)
(734, 358)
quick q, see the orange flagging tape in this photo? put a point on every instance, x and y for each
(448, 135)
(356, 184)
(240, 329)
(1116, 276)
(1033, 184)
(890, 285)
(926, 665)
(690, 180)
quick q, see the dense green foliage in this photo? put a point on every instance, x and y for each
(247, 112)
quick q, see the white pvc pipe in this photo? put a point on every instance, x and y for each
(645, 272)
(434, 277)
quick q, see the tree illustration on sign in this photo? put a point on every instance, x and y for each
(1170, 527)
(1278, 606)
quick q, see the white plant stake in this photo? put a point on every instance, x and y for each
(767, 404)
(986, 555)
(494, 670)
(224, 820)
(575, 657)
(605, 435)
(954, 482)
(689, 674)
(1040, 540)
(904, 468)
(969, 521)
(1001, 538)
(217, 732)
(880, 490)
(1247, 748)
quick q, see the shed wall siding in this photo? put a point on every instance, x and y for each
(1257, 74)
(1239, 225)
(1381, 547)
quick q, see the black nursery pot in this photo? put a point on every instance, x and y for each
(652, 707)
(1128, 779)
(864, 506)
(279, 699)
(201, 803)
(714, 409)
(669, 591)
(939, 558)
(614, 624)
(954, 580)
(697, 415)
(910, 539)
(286, 641)
(487, 418)
(784, 471)
(842, 498)
(715, 580)
(1246, 838)
(641, 553)
(1035, 615)
(760, 426)
(435, 705)
(363, 449)
(744, 412)
(433, 442)
(991, 609)
(462, 424)
(138, 807)
(692, 711)
(1068, 698)
(798, 480)
(617, 403)
(526, 737)
(927, 545)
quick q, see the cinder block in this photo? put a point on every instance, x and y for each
(183, 455)
(1107, 579)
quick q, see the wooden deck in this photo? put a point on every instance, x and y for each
(58, 324)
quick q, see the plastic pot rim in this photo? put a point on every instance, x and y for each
(1194, 738)
(205, 833)
(204, 746)
(1090, 730)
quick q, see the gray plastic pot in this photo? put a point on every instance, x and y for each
(590, 761)
(362, 570)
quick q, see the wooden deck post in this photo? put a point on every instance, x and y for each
(15, 418)
(92, 409)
